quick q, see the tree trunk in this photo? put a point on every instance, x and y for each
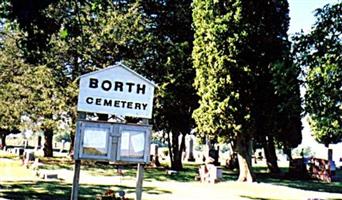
(170, 147)
(102, 117)
(288, 153)
(48, 148)
(3, 140)
(39, 142)
(72, 135)
(270, 154)
(176, 161)
(72, 142)
(245, 159)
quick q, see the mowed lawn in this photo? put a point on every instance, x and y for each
(18, 182)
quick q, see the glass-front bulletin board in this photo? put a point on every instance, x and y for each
(134, 144)
(113, 142)
(95, 141)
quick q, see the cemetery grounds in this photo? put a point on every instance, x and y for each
(18, 181)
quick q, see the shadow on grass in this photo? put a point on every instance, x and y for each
(34, 190)
(188, 174)
(22, 190)
(306, 184)
(283, 180)
(250, 197)
(57, 163)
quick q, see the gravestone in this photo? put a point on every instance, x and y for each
(29, 155)
(210, 173)
(25, 144)
(46, 174)
(19, 151)
(154, 155)
(213, 155)
(190, 149)
(63, 146)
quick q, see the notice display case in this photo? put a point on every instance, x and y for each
(95, 140)
(133, 143)
(113, 142)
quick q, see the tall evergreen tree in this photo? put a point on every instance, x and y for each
(27, 90)
(170, 54)
(33, 44)
(237, 47)
(11, 107)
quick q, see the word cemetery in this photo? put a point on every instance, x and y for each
(116, 103)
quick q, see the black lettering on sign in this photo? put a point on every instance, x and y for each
(123, 103)
(89, 100)
(93, 83)
(107, 102)
(137, 106)
(116, 103)
(130, 85)
(98, 101)
(144, 106)
(130, 105)
(118, 86)
(141, 88)
(106, 85)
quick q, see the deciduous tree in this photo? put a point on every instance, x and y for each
(319, 53)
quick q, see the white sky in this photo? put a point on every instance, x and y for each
(302, 13)
(302, 18)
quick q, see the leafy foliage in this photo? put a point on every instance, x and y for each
(245, 77)
(243, 66)
(319, 52)
(70, 38)
(11, 107)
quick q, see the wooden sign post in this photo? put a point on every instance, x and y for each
(77, 167)
(140, 176)
(76, 180)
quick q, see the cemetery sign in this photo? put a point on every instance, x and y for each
(119, 91)
(116, 90)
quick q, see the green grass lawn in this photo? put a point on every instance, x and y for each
(4, 154)
(156, 181)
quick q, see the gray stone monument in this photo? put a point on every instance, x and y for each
(190, 149)
(154, 155)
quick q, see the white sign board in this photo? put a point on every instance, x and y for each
(116, 90)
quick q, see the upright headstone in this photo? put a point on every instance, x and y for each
(38, 144)
(213, 155)
(63, 146)
(190, 149)
(330, 154)
(19, 151)
(154, 155)
(25, 144)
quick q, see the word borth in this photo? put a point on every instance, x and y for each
(108, 85)
(116, 90)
